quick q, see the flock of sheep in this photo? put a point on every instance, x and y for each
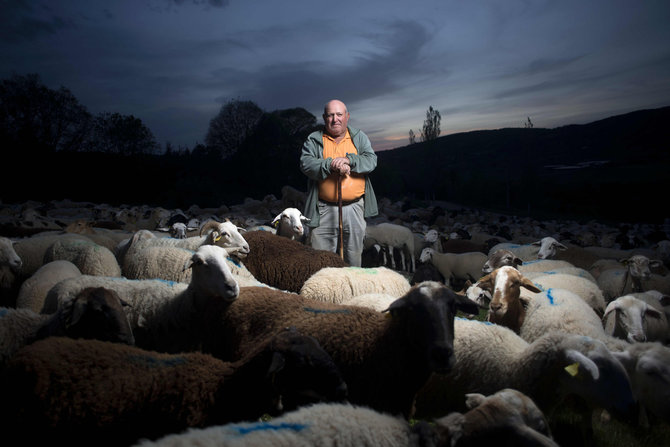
(137, 325)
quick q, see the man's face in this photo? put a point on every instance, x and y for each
(335, 118)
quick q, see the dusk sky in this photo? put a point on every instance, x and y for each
(484, 64)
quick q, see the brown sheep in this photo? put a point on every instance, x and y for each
(88, 392)
(383, 360)
(284, 263)
(92, 313)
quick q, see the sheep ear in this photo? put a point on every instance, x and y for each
(395, 306)
(652, 312)
(655, 263)
(560, 246)
(528, 284)
(536, 243)
(473, 400)
(465, 304)
(275, 221)
(625, 358)
(78, 310)
(579, 362)
(305, 219)
(277, 364)
(486, 282)
(611, 307)
(195, 260)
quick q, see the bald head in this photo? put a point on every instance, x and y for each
(335, 117)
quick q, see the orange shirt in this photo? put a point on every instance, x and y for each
(353, 185)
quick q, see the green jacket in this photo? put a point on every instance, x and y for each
(316, 168)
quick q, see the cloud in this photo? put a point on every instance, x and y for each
(213, 3)
(391, 56)
(20, 22)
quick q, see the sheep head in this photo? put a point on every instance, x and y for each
(227, 235)
(628, 315)
(289, 223)
(501, 258)
(549, 247)
(639, 266)
(507, 307)
(428, 311)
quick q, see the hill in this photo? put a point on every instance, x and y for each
(612, 169)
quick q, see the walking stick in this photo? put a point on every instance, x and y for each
(339, 209)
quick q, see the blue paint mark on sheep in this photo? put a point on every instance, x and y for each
(326, 311)
(148, 361)
(168, 282)
(367, 270)
(265, 426)
(488, 323)
(3, 312)
(550, 297)
(234, 261)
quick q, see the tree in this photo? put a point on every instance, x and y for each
(412, 137)
(37, 118)
(431, 126)
(229, 128)
(528, 124)
(122, 134)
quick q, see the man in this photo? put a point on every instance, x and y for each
(339, 151)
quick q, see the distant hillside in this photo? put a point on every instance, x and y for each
(612, 169)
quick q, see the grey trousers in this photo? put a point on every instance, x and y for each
(326, 235)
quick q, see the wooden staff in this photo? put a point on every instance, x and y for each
(339, 209)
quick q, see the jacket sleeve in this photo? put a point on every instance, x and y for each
(366, 160)
(312, 163)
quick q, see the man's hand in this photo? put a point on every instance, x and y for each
(341, 165)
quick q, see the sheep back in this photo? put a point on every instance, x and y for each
(340, 284)
(158, 262)
(284, 263)
(89, 257)
(31, 250)
(34, 290)
(583, 287)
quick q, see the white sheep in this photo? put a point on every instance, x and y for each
(223, 234)
(618, 282)
(10, 267)
(346, 425)
(541, 265)
(527, 252)
(430, 238)
(34, 290)
(456, 267)
(8, 257)
(31, 250)
(289, 223)
(89, 257)
(164, 315)
(91, 313)
(340, 284)
(377, 301)
(648, 367)
(584, 288)
(635, 318)
(555, 367)
(533, 312)
(390, 236)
